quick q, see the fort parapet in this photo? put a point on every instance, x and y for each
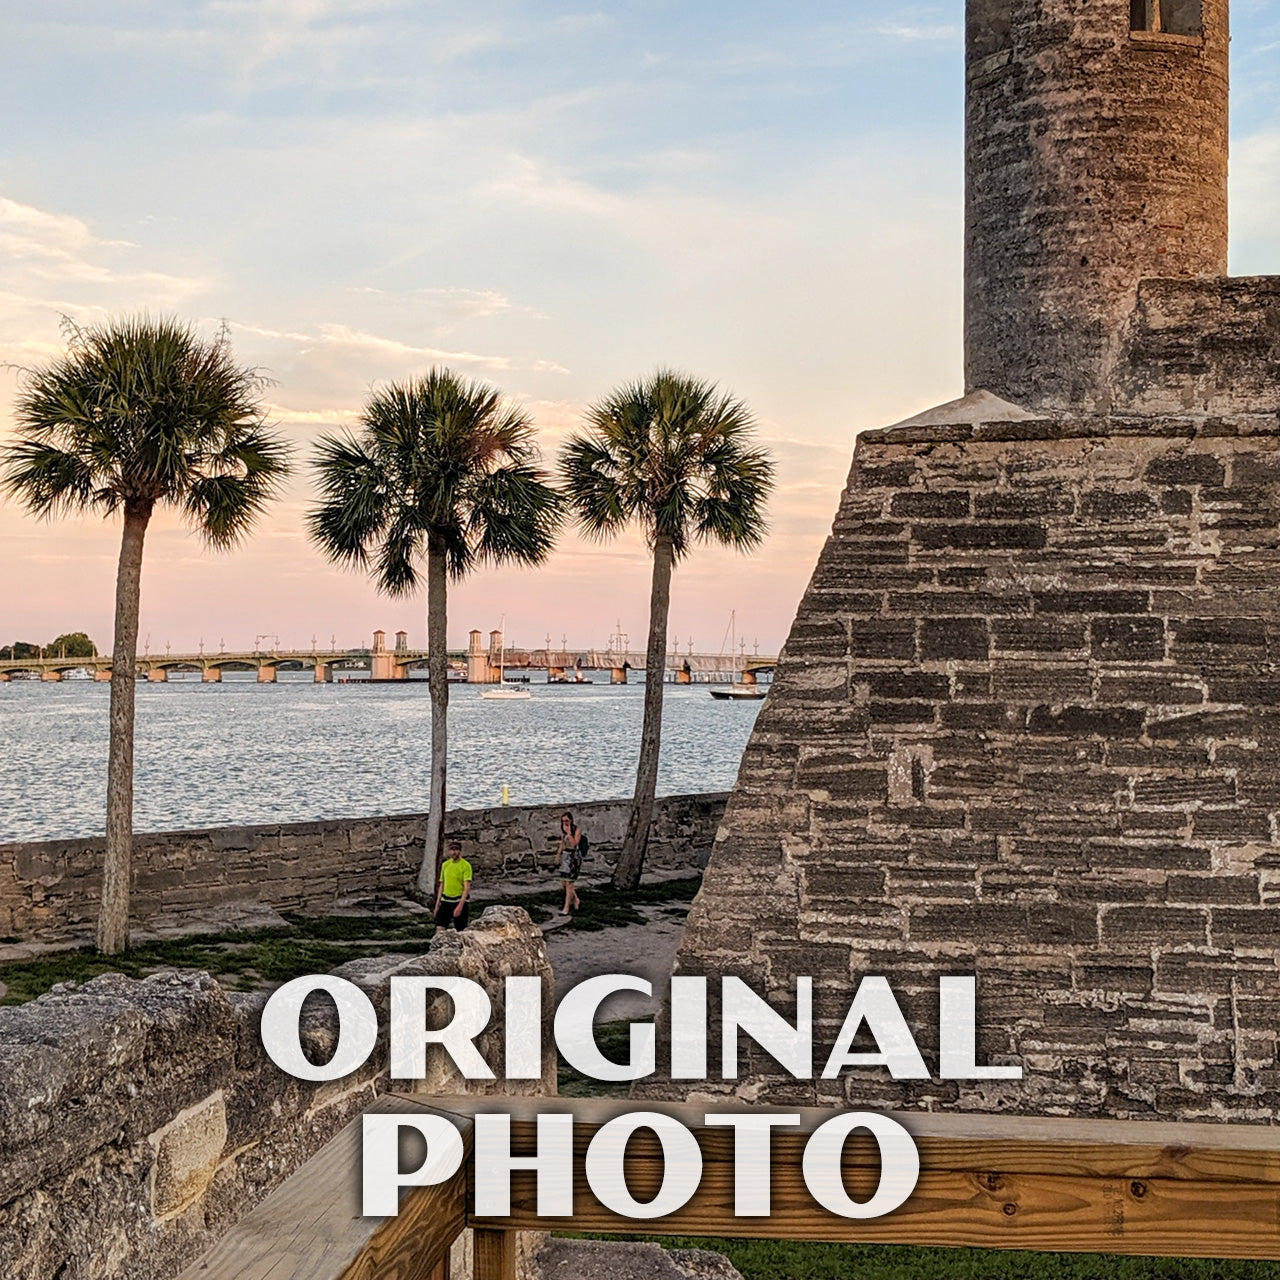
(140, 1120)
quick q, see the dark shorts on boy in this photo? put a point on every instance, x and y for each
(445, 916)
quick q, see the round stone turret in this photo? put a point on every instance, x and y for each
(1096, 158)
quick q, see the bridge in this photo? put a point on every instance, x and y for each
(157, 667)
(481, 664)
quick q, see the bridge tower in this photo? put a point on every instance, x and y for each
(1096, 157)
(382, 662)
(480, 670)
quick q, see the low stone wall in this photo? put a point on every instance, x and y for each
(50, 889)
(140, 1120)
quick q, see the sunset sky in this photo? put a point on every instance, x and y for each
(553, 197)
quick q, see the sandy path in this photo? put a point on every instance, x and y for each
(648, 951)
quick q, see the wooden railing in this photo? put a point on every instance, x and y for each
(999, 1182)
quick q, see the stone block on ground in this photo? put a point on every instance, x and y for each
(626, 1260)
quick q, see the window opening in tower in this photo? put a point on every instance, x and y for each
(1170, 17)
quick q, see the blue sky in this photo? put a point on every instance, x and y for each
(551, 196)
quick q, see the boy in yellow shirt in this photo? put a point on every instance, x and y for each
(453, 890)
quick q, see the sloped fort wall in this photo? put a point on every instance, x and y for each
(1027, 724)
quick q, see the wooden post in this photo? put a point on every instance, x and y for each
(494, 1253)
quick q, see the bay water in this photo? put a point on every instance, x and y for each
(242, 753)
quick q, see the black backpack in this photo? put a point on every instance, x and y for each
(584, 845)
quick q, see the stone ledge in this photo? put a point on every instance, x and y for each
(1080, 427)
(49, 890)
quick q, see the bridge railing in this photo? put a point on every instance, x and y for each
(998, 1182)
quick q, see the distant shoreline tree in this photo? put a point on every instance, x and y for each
(675, 457)
(139, 414)
(75, 644)
(19, 649)
(441, 474)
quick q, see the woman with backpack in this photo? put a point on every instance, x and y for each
(573, 847)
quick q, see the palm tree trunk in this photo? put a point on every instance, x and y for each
(438, 686)
(626, 875)
(117, 868)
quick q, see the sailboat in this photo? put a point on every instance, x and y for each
(739, 690)
(504, 693)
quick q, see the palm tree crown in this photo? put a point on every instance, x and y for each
(434, 456)
(673, 455)
(144, 412)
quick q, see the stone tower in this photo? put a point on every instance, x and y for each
(1096, 158)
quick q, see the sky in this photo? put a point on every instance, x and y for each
(553, 197)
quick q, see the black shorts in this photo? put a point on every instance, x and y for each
(445, 916)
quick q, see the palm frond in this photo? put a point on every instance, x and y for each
(514, 515)
(243, 476)
(48, 480)
(398, 552)
(434, 457)
(595, 489)
(357, 499)
(151, 413)
(673, 455)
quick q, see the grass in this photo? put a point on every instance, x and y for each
(604, 907)
(246, 958)
(614, 1041)
(800, 1260)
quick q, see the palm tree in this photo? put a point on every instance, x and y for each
(139, 414)
(675, 457)
(441, 471)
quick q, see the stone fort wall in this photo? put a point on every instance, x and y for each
(1027, 725)
(140, 1120)
(51, 889)
(1202, 346)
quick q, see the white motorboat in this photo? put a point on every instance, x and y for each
(739, 693)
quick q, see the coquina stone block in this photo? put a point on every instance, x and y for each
(188, 1151)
